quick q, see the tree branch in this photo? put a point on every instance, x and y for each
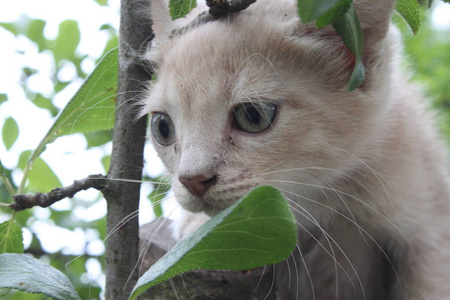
(22, 202)
(220, 8)
(127, 160)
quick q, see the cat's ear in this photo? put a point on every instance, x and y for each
(379, 46)
(374, 17)
(162, 26)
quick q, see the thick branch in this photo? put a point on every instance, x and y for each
(127, 155)
(22, 202)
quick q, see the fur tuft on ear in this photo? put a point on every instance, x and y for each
(164, 27)
(374, 16)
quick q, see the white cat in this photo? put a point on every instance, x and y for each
(258, 98)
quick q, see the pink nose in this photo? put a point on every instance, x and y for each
(199, 184)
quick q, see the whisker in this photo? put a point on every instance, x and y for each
(121, 223)
(260, 277)
(360, 229)
(271, 286)
(307, 274)
(348, 195)
(134, 181)
(332, 255)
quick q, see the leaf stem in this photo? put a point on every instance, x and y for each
(26, 170)
(8, 185)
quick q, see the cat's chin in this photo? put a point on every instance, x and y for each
(209, 207)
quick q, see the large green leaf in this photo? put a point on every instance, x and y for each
(257, 230)
(334, 13)
(310, 10)
(11, 240)
(21, 272)
(410, 12)
(180, 8)
(92, 107)
(349, 28)
(10, 132)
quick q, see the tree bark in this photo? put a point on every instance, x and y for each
(127, 155)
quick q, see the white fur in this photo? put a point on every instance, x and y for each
(364, 170)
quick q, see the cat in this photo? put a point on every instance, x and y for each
(257, 98)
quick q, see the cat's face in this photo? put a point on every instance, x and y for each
(238, 104)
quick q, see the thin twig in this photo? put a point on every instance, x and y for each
(22, 202)
(220, 8)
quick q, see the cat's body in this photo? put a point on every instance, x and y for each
(364, 170)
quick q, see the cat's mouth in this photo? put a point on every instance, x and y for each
(208, 205)
(211, 203)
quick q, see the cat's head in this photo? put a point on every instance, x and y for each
(258, 98)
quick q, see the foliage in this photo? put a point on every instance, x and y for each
(34, 276)
(258, 229)
(251, 224)
(10, 237)
(429, 51)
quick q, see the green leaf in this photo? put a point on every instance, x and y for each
(11, 27)
(10, 132)
(6, 184)
(180, 8)
(4, 292)
(41, 177)
(45, 103)
(357, 76)
(334, 13)
(428, 3)
(102, 2)
(409, 10)
(106, 162)
(257, 230)
(98, 138)
(92, 108)
(349, 28)
(35, 32)
(67, 40)
(3, 98)
(11, 240)
(310, 10)
(21, 272)
(160, 189)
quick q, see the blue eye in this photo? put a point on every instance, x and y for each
(162, 129)
(254, 117)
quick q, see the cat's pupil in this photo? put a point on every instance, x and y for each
(253, 115)
(164, 129)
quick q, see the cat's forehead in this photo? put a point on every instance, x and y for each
(216, 63)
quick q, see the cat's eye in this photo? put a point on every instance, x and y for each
(162, 129)
(254, 117)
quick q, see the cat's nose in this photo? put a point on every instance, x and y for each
(199, 184)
